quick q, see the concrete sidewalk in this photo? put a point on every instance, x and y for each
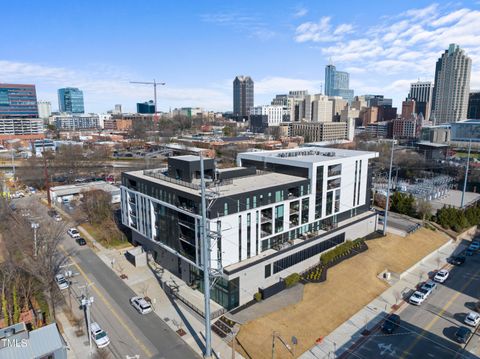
(392, 300)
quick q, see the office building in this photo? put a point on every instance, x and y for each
(21, 128)
(243, 96)
(273, 215)
(421, 92)
(320, 131)
(409, 108)
(337, 83)
(270, 115)
(70, 100)
(338, 105)
(146, 107)
(464, 131)
(452, 86)
(474, 105)
(377, 100)
(369, 115)
(406, 128)
(18, 101)
(71, 122)
(44, 109)
(318, 108)
(382, 129)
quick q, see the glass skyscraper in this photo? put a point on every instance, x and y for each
(18, 101)
(70, 100)
(337, 83)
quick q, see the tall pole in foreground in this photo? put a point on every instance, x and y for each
(387, 203)
(206, 264)
(466, 174)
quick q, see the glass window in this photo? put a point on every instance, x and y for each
(254, 201)
(279, 218)
(333, 183)
(305, 203)
(239, 238)
(329, 203)
(249, 233)
(225, 209)
(334, 170)
(247, 206)
(268, 270)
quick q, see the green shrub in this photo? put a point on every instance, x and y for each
(292, 279)
(340, 250)
(258, 296)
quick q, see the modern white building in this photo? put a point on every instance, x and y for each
(75, 122)
(44, 109)
(270, 217)
(274, 113)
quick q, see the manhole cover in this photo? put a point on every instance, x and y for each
(166, 319)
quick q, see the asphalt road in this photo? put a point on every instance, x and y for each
(427, 331)
(130, 333)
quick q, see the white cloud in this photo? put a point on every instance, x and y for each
(321, 31)
(300, 12)
(106, 86)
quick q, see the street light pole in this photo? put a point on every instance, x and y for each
(387, 202)
(206, 263)
(35, 248)
(466, 174)
(86, 302)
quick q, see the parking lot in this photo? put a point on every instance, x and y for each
(428, 330)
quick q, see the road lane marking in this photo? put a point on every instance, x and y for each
(105, 301)
(439, 315)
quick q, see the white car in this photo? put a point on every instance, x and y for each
(141, 305)
(61, 282)
(429, 286)
(472, 319)
(441, 276)
(74, 233)
(417, 298)
(99, 335)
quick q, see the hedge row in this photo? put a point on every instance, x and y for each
(340, 250)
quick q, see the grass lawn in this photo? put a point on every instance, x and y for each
(98, 232)
(465, 155)
(350, 286)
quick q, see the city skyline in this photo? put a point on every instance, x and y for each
(293, 46)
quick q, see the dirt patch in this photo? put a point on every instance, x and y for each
(350, 286)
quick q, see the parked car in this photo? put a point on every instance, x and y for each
(469, 252)
(141, 305)
(54, 214)
(32, 190)
(429, 286)
(472, 319)
(81, 241)
(457, 260)
(474, 246)
(61, 282)
(441, 276)
(99, 335)
(391, 323)
(73, 232)
(417, 298)
(463, 334)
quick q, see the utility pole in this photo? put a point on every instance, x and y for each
(45, 170)
(86, 302)
(466, 174)
(206, 264)
(13, 163)
(155, 84)
(387, 202)
(35, 248)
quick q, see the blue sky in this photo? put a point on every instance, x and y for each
(198, 47)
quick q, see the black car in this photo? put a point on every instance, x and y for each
(81, 241)
(391, 323)
(457, 260)
(463, 334)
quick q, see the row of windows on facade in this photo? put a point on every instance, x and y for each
(302, 255)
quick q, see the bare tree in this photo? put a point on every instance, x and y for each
(424, 209)
(97, 205)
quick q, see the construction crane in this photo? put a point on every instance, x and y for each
(155, 84)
